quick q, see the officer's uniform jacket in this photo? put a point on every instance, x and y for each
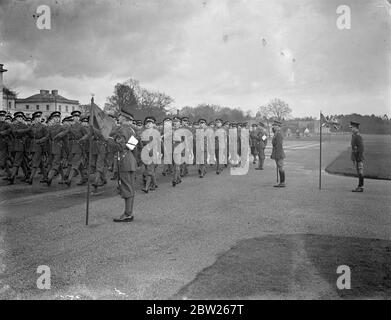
(278, 151)
(126, 160)
(357, 148)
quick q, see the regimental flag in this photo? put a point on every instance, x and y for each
(101, 121)
(329, 122)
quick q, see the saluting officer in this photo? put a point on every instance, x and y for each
(278, 153)
(357, 155)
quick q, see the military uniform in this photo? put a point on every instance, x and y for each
(56, 147)
(260, 145)
(75, 134)
(20, 131)
(149, 170)
(5, 131)
(127, 165)
(278, 153)
(357, 156)
(39, 135)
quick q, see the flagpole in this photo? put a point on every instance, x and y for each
(89, 163)
(320, 150)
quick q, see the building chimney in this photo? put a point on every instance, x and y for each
(55, 92)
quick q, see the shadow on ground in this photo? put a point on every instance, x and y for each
(295, 266)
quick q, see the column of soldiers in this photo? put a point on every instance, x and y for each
(60, 148)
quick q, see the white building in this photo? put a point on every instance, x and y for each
(47, 102)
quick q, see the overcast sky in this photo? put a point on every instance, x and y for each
(236, 53)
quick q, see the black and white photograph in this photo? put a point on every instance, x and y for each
(195, 154)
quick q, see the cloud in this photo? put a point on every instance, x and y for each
(204, 51)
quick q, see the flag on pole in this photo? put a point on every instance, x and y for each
(101, 121)
(329, 122)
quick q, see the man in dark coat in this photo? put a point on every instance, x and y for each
(127, 164)
(357, 155)
(278, 153)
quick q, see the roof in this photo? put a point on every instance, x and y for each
(47, 97)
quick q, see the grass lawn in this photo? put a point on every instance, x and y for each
(377, 163)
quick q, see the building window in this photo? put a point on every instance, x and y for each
(37, 107)
(9, 105)
(27, 107)
(73, 108)
(47, 107)
(59, 108)
(66, 108)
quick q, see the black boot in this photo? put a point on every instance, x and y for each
(282, 180)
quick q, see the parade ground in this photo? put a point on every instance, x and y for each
(220, 237)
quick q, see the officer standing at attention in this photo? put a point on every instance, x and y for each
(278, 152)
(127, 164)
(357, 155)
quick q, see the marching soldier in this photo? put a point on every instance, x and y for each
(176, 176)
(19, 130)
(39, 135)
(202, 166)
(127, 164)
(5, 131)
(75, 133)
(56, 146)
(219, 166)
(184, 170)
(253, 141)
(278, 152)
(149, 170)
(167, 125)
(111, 151)
(357, 155)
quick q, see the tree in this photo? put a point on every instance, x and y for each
(141, 101)
(279, 109)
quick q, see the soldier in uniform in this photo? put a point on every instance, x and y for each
(111, 151)
(75, 133)
(56, 146)
(253, 141)
(219, 166)
(127, 164)
(5, 131)
(357, 155)
(39, 135)
(176, 176)
(184, 170)
(167, 123)
(278, 152)
(149, 170)
(19, 129)
(260, 145)
(202, 166)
